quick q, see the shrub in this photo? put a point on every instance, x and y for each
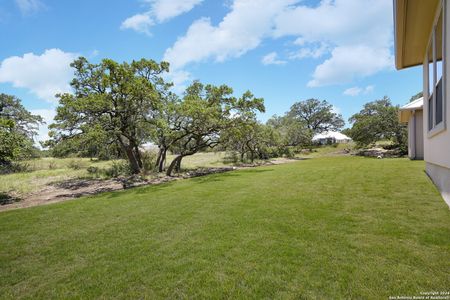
(7, 199)
(93, 170)
(15, 167)
(148, 161)
(73, 164)
(52, 165)
(289, 152)
(117, 169)
(232, 157)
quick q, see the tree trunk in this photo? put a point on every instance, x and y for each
(132, 159)
(138, 156)
(174, 164)
(159, 158)
(162, 161)
(178, 166)
(134, 163)
(162, 154)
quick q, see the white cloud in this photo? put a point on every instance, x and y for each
(356, 91)
(179, 79)
(315, 51)
(164, 10)
(336, 110)
(47, 115)
(330, 29)
(241, 30)
(271, 59)
(339, 21)
(369, 89)
(94, 53)
(350, 62)
(29, 6)
(160, 11)
(44, 75)
(353, 91)
(358, 32)
(140, 23)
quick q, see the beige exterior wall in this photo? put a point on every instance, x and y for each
(437, 147)
(415, 135)
(441, 178)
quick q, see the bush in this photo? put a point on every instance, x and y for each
(117, 169)
(7, 199)
(148, 161)
(93, 170)
(75, 164)
(289, 152)
(52, 165)
(15, 167)
(232, 157)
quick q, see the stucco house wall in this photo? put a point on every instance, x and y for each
(415, 135)
(437, 145)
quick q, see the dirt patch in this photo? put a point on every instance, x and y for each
(380, 153)
(75, 188)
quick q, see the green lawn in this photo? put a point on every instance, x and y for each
(325, 228)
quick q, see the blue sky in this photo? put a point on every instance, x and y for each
(283, 51)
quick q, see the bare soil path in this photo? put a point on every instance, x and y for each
(75, 188)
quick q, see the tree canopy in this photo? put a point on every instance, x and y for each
(318, 116)
(123, 106)
(17, 129)
(378, 120)
(206, 112)
(116, 102)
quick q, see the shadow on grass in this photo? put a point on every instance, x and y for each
(225, 175)
(200, 179)
(138, 190)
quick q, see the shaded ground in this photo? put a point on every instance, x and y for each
(75, 188)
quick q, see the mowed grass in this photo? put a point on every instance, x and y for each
(324, 228)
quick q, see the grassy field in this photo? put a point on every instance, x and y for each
(324, 228)
(49, 170)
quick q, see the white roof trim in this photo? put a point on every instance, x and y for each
(415, 105)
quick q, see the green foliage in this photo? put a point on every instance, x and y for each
(148, 161)
(75, 164)
(318, 116)
(205, 113)
(252, 140)
(112, 104)
(378, 120)
(93, 170)
(93, 143)
(17, 129)
(120, 168)
(292, 131)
